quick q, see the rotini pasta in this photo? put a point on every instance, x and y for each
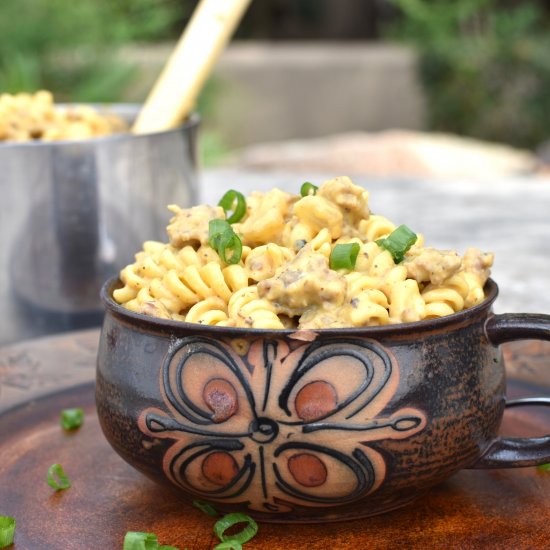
(375, 227)
(210, 311)
(29, 117)
(247, 309)
(447, 297)
(289, 271)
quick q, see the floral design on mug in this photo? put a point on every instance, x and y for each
(279, 425)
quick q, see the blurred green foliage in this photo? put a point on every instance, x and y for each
(68, 46)
(485, 66)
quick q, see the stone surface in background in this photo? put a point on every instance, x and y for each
(265, 91)
(397, 152)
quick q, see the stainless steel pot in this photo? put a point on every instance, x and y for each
(72, 213)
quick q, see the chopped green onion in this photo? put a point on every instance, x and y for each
(140, 541)
(230, 242)
(233, 201)
(216, 228)
(232, 519)
(223, 239)
(7, 531)
(543, 467)
(208, 509)
(134, 540)
(71, 419)
(344, 256)
(398, 242)
(57, 478)
(230, 544)
(308, 189)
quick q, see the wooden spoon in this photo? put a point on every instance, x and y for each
(175, 92)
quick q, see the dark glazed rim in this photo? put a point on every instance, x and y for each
(153, 324)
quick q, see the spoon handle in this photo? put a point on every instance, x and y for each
(175, 92)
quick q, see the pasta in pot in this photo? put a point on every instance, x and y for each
(277, 266)
(31, 117)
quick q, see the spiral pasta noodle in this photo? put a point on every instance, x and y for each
(376, 227)
(315, 261)
(247, 309)
(30, 117)
(447, 297)
(210, 311)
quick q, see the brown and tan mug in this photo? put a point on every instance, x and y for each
(311, 426)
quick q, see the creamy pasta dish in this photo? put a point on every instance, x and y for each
(29, 117)
(318, 259)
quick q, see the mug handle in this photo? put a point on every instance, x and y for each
(508, 452)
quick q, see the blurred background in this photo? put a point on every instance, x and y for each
(308, 69)
(441, 109)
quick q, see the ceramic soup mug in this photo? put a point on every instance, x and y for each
(290, 425)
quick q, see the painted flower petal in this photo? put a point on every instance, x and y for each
(322, 475)
(205, 382)
(336, 379)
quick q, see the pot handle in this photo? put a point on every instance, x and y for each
(508, 452)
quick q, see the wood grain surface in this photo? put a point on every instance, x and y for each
(504, 509)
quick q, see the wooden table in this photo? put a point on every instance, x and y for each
(504, 509)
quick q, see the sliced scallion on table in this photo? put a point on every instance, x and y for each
(135, 540)
(57, 478)
(344, 256)
(71, 419)
(234, 202)
(208, 509)
(229, 545)
(228, 521)
(398, 242)
(7, 531)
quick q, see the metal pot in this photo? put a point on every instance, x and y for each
(73, 213)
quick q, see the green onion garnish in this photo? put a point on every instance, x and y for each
(71, 419)
(308, 189)
(232, 519)
(208, 509)
(57, 478)
(233, 201)
(216, 228)
(230, 242)
(230, 544)
(134, 540)
(543, 467)
(223, 239)
(398, 242)
(7, 531)
(344, 256)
